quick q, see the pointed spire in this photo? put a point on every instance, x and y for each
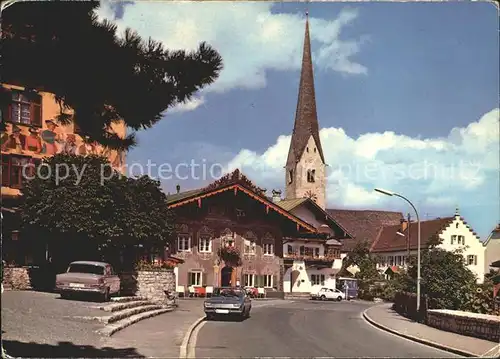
(306, 117)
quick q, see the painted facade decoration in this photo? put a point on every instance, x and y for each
(31, 132)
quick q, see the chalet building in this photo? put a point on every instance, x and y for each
(30, 132)
(229, 233)
(311, 260)
(394, 244)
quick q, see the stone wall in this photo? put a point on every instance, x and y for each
(16, 278)
(149, 284)
(471, 324)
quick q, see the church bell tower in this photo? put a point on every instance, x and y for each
(305, 165)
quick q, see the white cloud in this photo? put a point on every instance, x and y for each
(249, 37)
(190, 105)
(437, 172)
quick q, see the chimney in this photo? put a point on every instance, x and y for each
(276, 195)
(178, 188)
(404, 225)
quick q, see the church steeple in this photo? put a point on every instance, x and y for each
(306, 117)
(305, 165)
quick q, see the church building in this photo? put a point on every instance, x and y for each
(231, 232)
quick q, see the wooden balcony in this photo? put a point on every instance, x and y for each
(310, 259)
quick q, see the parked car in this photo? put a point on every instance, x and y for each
(228, 302)
(88, 277)
(328, 294)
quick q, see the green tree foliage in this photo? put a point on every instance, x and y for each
(480, 298)
(354, 257)
(82, 198)
(446, 280)
(61, 47)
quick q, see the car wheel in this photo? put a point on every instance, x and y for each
(105, 296)
(210, 317)
(323, 297)
(65, 295)
(339, 298)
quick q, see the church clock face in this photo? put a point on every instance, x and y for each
(310, 194)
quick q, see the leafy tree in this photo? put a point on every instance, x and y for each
(480, 298)
(446, 280)
(61, 47)
(360, 250)
(81, 199)
(369, 277)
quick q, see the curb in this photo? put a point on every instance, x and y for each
(429, 343)
(183, 351)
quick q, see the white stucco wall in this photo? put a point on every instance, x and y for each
(303, 283)
(309, 160)
(473, 245)
(308, 216)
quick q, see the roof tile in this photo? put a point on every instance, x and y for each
(389, 240)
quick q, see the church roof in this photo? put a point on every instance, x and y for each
(306, 117)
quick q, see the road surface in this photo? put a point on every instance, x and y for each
(305, 329)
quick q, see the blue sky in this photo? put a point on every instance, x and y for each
(407, 97)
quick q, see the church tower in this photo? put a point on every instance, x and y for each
(305, 165)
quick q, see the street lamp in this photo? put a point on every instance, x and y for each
(390, 193)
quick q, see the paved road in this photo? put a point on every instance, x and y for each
(305, 329)
(42, 325)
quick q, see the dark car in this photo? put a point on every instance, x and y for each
(228, 302)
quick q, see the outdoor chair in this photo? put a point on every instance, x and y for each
(181, 291)
(191, 291)
(261, 292)
(209, 291)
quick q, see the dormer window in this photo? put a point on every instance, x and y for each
(307, 149)
(290, 176)
(314, 149)
(456, 225)
(310, 176)
(453, 239)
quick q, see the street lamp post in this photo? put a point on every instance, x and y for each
(389, 193)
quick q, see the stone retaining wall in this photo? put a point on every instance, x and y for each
(149, 284)
(16, 278)
(471, 324)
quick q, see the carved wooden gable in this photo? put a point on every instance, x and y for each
(268, 237)
(182, 228)
(206, 231)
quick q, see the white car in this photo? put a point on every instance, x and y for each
(328, 294)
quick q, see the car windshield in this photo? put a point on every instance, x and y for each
(86, 268)
(228, 292)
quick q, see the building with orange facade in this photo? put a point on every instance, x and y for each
(29, 133)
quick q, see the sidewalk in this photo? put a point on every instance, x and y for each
(159, 336)
(385, 318)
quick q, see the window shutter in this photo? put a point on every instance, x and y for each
(204, 279)
(257, 280)
(275, 281)
(189, 282)
(475, 260)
